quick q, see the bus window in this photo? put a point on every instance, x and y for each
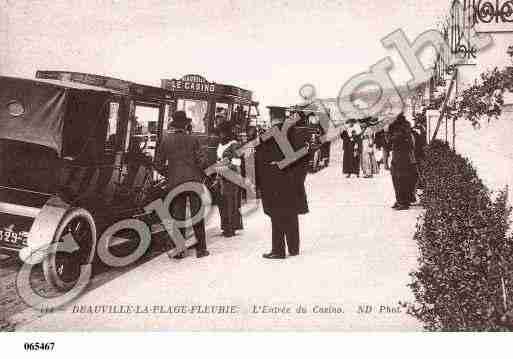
(313, 119)
(144, 135)
(221, 114)
(239, 119)
(167, 117)
(253, 111)
(112, 127)
(196, 110)
(254, 117)
(237, 114)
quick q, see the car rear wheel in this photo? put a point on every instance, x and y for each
(62, 269)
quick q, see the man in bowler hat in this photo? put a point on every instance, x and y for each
(185, 162)
(283, 190)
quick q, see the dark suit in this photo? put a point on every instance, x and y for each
(283, 192)
(403, 170)
(351, 156)
(184, 158)
(185, 161)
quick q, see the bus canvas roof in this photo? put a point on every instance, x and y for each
(50, 113)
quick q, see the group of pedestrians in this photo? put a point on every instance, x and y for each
(282, 189)
(399, 147)
(361, 151)
(186, 162)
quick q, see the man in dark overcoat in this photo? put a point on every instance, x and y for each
(283, 190)
(403, 166)
(185, 162)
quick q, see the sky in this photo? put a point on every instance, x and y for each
(269, 47)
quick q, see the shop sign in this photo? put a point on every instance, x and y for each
(195, 83)
(198, 84)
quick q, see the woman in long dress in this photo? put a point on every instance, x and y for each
(229, 206)
(351, 157)
(368, 160)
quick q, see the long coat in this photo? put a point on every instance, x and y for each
(404, 171)
(184, 156)
(402, 145)
(351, 157)
(283, 190)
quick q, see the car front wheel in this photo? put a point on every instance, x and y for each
(62, 268)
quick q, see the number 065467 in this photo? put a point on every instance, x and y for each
(39, 346)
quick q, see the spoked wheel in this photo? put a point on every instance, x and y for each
(62, 269)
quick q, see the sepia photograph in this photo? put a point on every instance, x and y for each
(255, 166)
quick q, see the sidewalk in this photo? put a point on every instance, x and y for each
(355, 253)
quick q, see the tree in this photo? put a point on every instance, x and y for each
(484, 99)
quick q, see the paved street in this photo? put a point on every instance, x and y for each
(356, 251)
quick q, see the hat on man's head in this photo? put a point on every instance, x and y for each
(225, 128)
(401, 117)
(180, 120)
(277, 112)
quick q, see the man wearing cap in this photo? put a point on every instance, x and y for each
(283, 190)
(185, 162)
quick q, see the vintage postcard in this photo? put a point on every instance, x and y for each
(268, 165)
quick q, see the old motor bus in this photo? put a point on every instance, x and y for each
(74, 159)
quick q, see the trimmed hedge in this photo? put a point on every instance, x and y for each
(464, 279)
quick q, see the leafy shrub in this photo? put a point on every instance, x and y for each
(483, 99)
(465, 273)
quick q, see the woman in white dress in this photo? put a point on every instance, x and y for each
(368, 160)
